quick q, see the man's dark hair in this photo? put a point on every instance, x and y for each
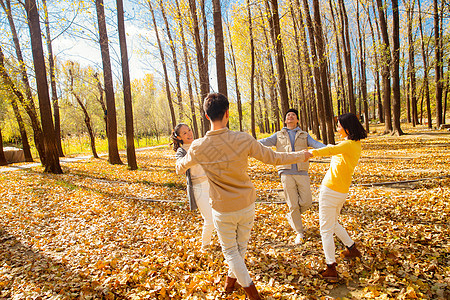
(215, 106)
(352, 126)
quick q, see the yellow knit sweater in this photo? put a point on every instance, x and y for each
(345, 156)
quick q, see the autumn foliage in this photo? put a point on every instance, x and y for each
(102, 231)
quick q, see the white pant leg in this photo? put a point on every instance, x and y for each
(330, 204)
(233, 230)
(201, 194)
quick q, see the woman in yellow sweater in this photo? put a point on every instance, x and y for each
(334, 190)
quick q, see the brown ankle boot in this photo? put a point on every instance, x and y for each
(229, 284)
(252, 293)
(351, 252)
(330, 274)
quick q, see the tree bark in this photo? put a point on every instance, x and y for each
(188, 75)
(236, 84)
(317, 75)
(113, 150)
(51, 63)
(385, 71)
(279, 57)
(175, 63)
(252, 72)
(220, 49)
(14, 90)
(3, 161)
(411, 69)
(87, 119)
(323, 73)
(163, 61)
(201, 62)
(27, 103)
(51, 152)
(438, 64)
(129, 129)
(425, 72)
(396, 68)
(347, 56)
(362, 50)
(100, 99)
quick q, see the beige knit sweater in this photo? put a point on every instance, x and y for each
(224, 154)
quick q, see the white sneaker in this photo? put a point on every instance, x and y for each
(299, 239)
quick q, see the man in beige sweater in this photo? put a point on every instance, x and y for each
(224, 154)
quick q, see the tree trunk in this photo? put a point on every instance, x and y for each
(279, 55)
(220, 49)
(362, 50)
(27, 103)
(411, 69)
(87, 119)
(101, 100)
(347, 56)
(188, 75)
(175, 63)
(113, 150)
(163, 61)
(425, 72)
(317, 75)
(236, 85)
(252, 72)
(201, 62)
(51, 63)
(51, 152)
(131, 153)
(385, 71)
(396, 68)
(438, 65)
(323, 73)
(3, 161)
(14, 90)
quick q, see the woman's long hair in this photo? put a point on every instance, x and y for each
(174, 136)
(352, 126)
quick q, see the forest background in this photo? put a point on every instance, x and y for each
(385, 61)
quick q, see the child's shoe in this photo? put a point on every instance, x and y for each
(351, 252)
(330, 274)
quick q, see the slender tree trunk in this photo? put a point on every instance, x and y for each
(279, 56)
(396, 68)
(175, 63)
(14, 90)
(188, 75)
(425, 68)
(323, 73)
(252, 72)
(113, 150)
(220, 49)
(51, 63)
(163, 60)
(317, 78)
(362, 50)
(28, 102)
(377, 63)
(201, 62)
(87, 119)
(347, 55)
(101, 100)
(236, 85)
(131, 153)
(411, 68)
(438, 65)
(51, 152)
(3, 161)
(386, 72)
(311, 101)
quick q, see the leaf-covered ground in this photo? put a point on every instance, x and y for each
(102, 231)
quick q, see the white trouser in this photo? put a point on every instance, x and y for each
(297, 190)
(201, 195)
(233, 230)
(330, 204)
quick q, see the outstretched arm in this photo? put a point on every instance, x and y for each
(269, 141)
(315, 144)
